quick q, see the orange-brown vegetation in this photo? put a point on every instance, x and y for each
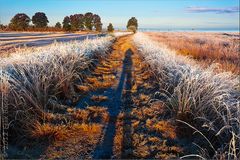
(81, 140)
(76, 132)
(207, 48)
(62, 132)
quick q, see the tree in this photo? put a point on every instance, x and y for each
(88, 19)
(19, 22)
(77, 22)
(40, 20)
(58, 25)
(66, 24)
(110, 27)
(97, 22)
(132, 22)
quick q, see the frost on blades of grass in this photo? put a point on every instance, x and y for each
(34, 81)
(208, 102)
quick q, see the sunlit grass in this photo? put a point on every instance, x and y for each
(205, 47)
(36, 80)
(210, 98)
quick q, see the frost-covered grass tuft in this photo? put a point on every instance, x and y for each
(212, 99)
(31, 80)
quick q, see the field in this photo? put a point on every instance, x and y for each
(9, 41)
(208, 48)
(121, 96)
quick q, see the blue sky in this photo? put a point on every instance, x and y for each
(165, 14)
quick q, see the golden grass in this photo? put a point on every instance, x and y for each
(144, 98)
(206, 47)
(81, 140)
(166, 128)
(82, 88)
(95, 83)
(77, 135)
(62, 132)
(90, 114)
(49, 131)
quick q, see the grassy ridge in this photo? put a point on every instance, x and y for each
(206, 102)
(34, 82)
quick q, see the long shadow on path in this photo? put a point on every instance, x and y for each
(105, 149)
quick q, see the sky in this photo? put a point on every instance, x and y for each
(162, 14)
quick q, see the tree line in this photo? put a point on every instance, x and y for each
(75, 22)
(87, 21)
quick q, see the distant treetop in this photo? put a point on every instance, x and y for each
(110, 27)
(132, 22)
(19, 22)
(97, 22)
(88, 18)
(40, 20)
(58, 25)
(77, 22)
(66, 24)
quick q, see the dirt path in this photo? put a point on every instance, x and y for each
(117, 116)
(121, 55)
(125, 85)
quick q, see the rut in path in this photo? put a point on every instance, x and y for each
(105, 149)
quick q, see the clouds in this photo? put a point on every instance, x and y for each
(225, 10)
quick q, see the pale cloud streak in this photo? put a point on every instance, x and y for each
(234, 9)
